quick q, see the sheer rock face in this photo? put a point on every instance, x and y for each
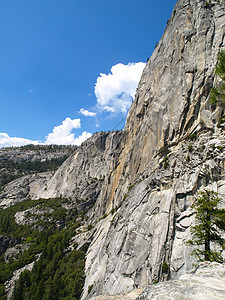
(82, 175)
(79, 178)
(22, 188)
(157, 169)
(171, 98)
(153, 222)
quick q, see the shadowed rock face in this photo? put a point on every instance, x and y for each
(157, 169)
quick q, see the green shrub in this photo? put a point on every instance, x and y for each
(192, 136)
(217, 92)
(166, 164)
(220, 148)
(114, 209)
(104, 216)
(165, 158)
(165, 267)
(90, 288)
(90, 226)
(125, 197)
(209, 226)
(130, 187)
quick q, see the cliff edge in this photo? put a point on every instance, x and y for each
(169, 149)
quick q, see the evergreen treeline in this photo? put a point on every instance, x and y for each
(15, 170)
(13, 164)
(36, 166)
(45, 148)
(58, 273)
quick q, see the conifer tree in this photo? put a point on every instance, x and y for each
(210, 222)
(217, 93)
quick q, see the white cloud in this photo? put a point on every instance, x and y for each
(87, 113)
(116, 90)
(114, 93)
(61, 135)
(109, 108)
(83, 137)
(7, 141)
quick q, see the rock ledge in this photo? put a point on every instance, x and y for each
(207, 281)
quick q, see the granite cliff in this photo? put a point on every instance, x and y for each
(138, 184)
(79, 178)
(169, 149)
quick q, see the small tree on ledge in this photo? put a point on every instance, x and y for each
(210, 221)
(217, 93)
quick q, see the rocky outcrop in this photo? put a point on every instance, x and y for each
(207, 282)
(5, 242)
(80, 177)
(13, 252)
(10, 285)
(153, 222)
(169, 149)
(34, 153)
(20, 161)
(129, 296)
(22, 188)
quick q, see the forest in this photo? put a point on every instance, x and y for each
(58, 271)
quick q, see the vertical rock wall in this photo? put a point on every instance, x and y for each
(155, 175)
(172, 92)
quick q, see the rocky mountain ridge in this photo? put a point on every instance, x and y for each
(80, 177)
(35, 152)
(16, 162)
(137, 185)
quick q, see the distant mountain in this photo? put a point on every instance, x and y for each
(19, 161)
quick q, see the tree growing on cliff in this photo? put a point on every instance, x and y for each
(210, 222)
(217, 93)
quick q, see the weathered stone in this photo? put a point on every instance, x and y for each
(207, 282)
(80, 177)
(5, 242)
(11, 253)
(9, 285)
(153, 222)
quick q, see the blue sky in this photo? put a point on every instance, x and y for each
(69, 68)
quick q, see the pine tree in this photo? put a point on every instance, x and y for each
(210, 222)
(217, 94)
